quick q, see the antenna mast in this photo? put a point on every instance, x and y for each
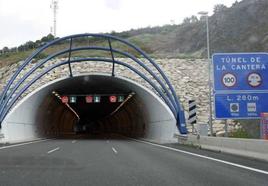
(54, 6)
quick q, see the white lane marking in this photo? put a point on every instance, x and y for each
(53, 150)
(205, 157)
(114, 150)
(74, 141)
(21, 144)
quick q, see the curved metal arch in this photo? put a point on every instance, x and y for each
(173, 98)
(28, 60)
(80, 60)
(86, 48)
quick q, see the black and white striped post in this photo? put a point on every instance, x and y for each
(192, 113)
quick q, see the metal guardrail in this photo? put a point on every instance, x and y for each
(163, 86)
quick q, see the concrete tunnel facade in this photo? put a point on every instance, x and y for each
(41, 114)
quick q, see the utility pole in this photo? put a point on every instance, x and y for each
(205, 14)
(54, 6)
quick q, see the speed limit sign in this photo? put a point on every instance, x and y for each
(229, 80)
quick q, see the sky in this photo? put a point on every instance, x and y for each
(25, 20)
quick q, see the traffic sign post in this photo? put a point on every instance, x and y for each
(240, 85)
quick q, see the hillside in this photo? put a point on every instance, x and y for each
(241, 28)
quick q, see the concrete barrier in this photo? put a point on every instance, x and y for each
(252, 148)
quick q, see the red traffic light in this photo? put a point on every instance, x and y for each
(64, 99)
(113, 99)
(89, 99)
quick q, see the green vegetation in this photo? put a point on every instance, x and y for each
(240, 133)
(251, 127)
(10, 58)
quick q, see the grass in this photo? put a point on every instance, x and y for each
(11, 58)
(142, 42)
(240, 133)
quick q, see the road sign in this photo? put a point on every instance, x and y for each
(192, 112)
(89, 99)
(240, 105)
(264, 126)
(229, 80)
(240, 71)
(112, 99)
(64, 99)
(254, 79)
(72, 99)
(97, 99)
(121, 98)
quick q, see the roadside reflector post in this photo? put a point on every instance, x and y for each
(192, 113)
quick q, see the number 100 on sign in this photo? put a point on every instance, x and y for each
(229, 80)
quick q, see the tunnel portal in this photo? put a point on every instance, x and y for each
(142, 113)
(42, 113)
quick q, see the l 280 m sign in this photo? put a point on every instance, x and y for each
(240, 71)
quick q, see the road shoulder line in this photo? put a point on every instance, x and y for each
(202, 156)
(26, 143)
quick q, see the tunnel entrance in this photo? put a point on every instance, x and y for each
(97, 117)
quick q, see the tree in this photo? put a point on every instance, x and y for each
(219, 8)
(5, 49)
(189, 20)
(48, 38)
(21, 48)
(30, 45)
(235, 3)
(194, 19)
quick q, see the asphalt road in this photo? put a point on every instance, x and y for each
(115, 161)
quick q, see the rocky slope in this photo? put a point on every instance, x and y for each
(189, 77)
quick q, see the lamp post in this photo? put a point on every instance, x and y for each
(205, 14)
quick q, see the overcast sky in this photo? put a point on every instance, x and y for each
(24, 20)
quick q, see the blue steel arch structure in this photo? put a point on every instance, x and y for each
(14, 89)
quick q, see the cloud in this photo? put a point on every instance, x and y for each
(113, 4)
(16, 29)
(24, 20)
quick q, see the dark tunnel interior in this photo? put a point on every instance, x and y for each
(101, 115)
